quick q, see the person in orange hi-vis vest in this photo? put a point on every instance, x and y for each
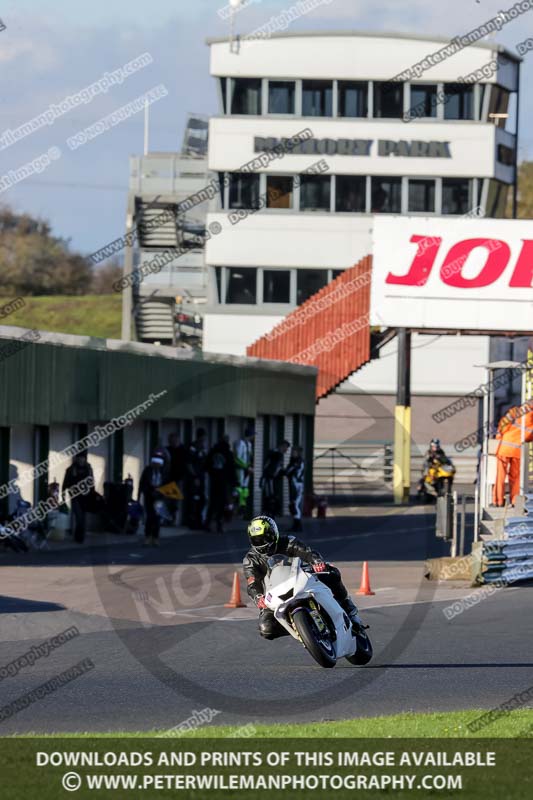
(509, 450)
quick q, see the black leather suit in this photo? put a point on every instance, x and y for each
(255, 569)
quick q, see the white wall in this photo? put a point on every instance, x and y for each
(61, 436)
(21, 452)
(472, 145)
(98, 458)
(232, 333)
(348, 56)
(134, 457)
(293, 240)
(439, 365)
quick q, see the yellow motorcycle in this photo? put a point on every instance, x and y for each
(438, 480)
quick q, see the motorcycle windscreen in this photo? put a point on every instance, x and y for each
(280, 573)
(278, 561)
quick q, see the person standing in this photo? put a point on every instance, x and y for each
(79, 470)
(509, 451)
(176, 457)
(295, 473)
(271, 479)
(244, 459)
(195, 474)
(152, 478)
(220, 466)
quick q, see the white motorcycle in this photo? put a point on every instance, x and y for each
(306, 608)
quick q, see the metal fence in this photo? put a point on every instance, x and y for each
(355, 469)
(350, 469)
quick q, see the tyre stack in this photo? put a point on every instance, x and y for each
(509, 560)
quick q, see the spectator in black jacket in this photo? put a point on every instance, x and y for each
(79, 470)
(222, 481)
(175, 462)
(195, 472)
(271, 479)
(153, 476)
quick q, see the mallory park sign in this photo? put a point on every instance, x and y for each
(357, 147)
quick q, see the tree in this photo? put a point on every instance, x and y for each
(525, 192)
(34, 262)
(105, 276)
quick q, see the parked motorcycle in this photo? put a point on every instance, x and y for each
(308, 611)
(12, 541)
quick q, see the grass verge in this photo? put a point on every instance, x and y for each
(86, 315)
(442, 725)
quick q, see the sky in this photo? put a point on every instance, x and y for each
(53, 48)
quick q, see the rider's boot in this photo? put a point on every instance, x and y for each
(353, 613)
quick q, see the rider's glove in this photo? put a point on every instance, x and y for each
(319, 566)
(260, 601)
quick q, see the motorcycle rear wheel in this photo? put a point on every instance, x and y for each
(364, 651)
(324, 654)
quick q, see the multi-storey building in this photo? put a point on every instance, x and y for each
(396, 139)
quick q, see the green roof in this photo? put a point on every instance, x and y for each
(61, 379)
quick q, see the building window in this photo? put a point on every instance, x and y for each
(388, 99)
(483, 89)
(276, 286)
(315, 193)
(281, 97)
(497, 199)
(423, 100)
(455, 196)
(350, 193)
(246, 96)
(386, 195)
(335, 273)
(422, 196)
(242, 284)
(499, 106)
(218, 283)
(458, 101)
(309, 282)
(317, 98)
(353, 99)
(279, 191)
(505, 155)
(243, 190)
(221, 188)
(223, 84)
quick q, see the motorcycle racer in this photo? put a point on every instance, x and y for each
(265, 541)
(437, 470)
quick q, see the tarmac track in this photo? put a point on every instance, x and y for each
(154, 625)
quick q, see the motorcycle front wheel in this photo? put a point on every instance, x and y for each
(364, 651)
(319, 645)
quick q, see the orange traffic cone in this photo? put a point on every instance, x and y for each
(365, 581)
(235, 599)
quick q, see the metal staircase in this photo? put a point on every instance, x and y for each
(155, 321)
